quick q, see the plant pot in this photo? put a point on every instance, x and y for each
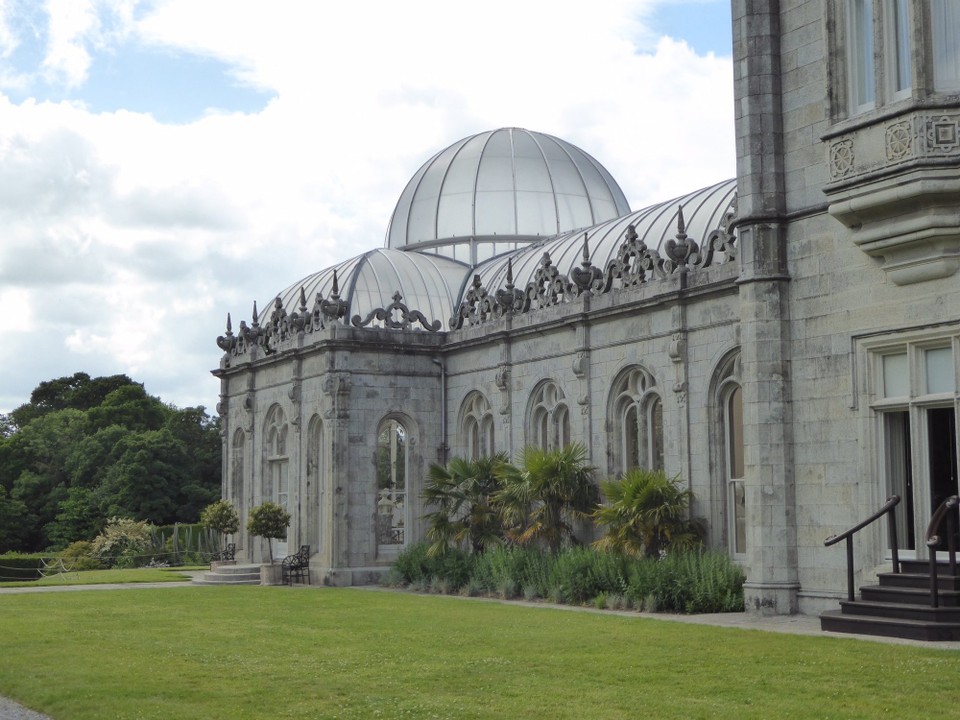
(271, 574)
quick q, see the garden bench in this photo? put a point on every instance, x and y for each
(296, 566)
(229, 552)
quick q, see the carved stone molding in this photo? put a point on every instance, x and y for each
(338, 386)
(678, 353)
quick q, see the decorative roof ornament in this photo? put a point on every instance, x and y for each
(334, 308)
(397, 316)
(586, 276)
(680, 249)
(509, 299)
(227, 342)
(548, 285)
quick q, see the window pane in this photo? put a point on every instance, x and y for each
(631, 432)
(898, 57)
(896, 376)
(739, 512)
(860, 49)
(656, 435)
(945, 22)
(735, 431)
(940, 374)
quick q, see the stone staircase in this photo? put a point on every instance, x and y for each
(229, 573)
(900, 605)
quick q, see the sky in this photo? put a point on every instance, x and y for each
(166, 162)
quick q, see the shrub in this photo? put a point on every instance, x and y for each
(79, 556)
(411, 564)
(699, 582)
(220, 517)
(124, 543)
(18, 566)
(269, 521)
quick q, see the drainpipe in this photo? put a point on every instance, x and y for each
(442, 450)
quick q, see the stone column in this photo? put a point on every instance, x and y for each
(772, 583)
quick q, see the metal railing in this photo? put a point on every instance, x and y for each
(933, 539)
(847, 535)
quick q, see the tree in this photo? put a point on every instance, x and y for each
(269, 521)
(647, 514)
(221, 517)
(462, 493)
(543, 498)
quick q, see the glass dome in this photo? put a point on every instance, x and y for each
(498, 190)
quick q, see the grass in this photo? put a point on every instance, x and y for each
(103, 577)
(276, 652)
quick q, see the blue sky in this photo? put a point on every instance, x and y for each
(164, 162)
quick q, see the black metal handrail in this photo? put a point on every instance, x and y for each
(847, 535)
(933, 539)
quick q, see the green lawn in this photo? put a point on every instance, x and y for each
(105, 577)
(278, 652)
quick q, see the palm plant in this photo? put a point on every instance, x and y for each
(646, 514)
(462, 493)
(541, 499)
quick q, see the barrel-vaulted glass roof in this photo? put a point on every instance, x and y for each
(703, 211)
(503, 186)
(435, 285)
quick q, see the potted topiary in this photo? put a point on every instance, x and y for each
(269, 521)
(222, 518)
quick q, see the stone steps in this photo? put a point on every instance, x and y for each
(227, 573)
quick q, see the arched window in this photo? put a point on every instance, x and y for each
(638, 421)
(275, 483)
(314, 484)
(730, 401)
(391, 483)
(477, 426)
(237, 482)
(549, 418)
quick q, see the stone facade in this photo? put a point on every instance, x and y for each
(818, 326)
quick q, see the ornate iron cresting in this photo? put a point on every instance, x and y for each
(947, 511)
(634, 264)
(397, 316)
(281, 326)
(847, 535)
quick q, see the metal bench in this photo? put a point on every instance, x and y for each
(296, 567)
(229, 552)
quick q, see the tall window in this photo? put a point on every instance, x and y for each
(477, 424)
(860, 72)
(915, 402)
(237, 483)
(549, 417)
(899, 69)
(945, 26)
(314, 479)
(729, 399)
(638, 419)
(391, 461)
(276, 486)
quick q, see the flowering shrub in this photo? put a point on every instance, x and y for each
(124, 543)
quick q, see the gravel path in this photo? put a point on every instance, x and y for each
(9, 710)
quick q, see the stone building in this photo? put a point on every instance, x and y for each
(787, 342)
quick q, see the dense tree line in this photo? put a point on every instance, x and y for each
(87, 449)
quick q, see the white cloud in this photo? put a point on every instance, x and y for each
(129, 240)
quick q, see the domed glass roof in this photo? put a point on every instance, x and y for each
(497, 190)
(435, 285)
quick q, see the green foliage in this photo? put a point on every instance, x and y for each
(686, 582)
(123, 543)
(79, 556)
(87, 449)
(699, 582)
(416, 565)
(465, 513)
(20, 566)
(549, 492)
(269, 521)
(221, 517)
(647, 513)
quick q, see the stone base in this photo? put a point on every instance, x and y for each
(767, 599)
(271, 574)
(216, 564)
